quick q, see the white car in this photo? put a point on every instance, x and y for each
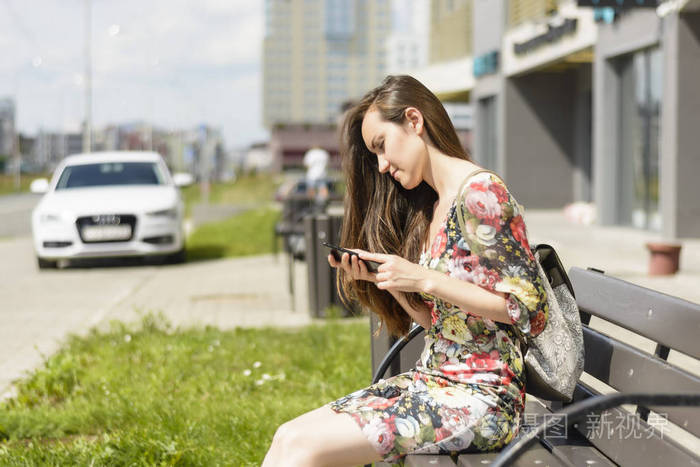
(109, 204)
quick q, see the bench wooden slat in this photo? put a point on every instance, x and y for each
(576, 451)
(663, 318)
(582, 455)
(628, 369)
(536, 456)
(643, 451)
(417, 460)
(476, 460)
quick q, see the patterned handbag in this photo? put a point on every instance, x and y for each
(554, 358)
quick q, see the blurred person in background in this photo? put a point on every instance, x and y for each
(316, 163)
(474, 292)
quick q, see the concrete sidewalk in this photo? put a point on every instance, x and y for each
(618, 251)
(254, 291)
(250, 291)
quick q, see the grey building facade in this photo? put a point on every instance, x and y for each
(646, 116)
(571, 106)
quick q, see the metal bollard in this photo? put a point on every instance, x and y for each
(309, 237)
(322, 290)
(336, 225)
(323, 269)
(316, 231)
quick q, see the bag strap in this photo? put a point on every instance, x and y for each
(460, 197)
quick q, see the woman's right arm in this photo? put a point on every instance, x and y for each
(358, 271)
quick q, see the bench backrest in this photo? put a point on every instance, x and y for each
(672, 324)
(669, 322)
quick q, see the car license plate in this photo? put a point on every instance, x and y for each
(97, 233)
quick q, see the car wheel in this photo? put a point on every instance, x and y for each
(177, 257)
(46, 264)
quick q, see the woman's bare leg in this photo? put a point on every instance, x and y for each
(321, 437)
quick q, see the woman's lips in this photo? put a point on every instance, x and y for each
(393, 172)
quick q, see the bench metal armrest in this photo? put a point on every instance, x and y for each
(394, 352)
(577, 411)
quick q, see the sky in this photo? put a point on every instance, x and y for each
(175, 63)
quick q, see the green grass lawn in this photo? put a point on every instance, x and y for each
(249, 233)
(7, 182)
(247, 189)
(151, 395)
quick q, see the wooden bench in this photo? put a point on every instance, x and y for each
(629, 334)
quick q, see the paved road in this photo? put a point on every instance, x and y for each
(15, 214)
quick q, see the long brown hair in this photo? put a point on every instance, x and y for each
(380, 215)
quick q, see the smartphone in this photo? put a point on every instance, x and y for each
(337, 252)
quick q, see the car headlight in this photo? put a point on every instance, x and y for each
(169, 213)
(48, 217)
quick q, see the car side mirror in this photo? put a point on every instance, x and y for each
(183, 179)
(39, 186)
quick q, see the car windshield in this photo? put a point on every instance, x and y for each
(109, 174)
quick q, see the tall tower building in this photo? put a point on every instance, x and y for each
(317, 54)
(407, 45)
(450, 29)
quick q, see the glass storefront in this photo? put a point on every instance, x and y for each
(640, 81)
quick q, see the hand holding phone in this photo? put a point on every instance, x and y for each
(337, 252)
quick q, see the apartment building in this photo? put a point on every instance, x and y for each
(317, 54)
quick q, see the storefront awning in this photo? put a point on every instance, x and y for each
(450, 81)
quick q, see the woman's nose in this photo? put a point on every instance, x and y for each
(383, 164)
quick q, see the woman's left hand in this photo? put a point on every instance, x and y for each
(396, 273)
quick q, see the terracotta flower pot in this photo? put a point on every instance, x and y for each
(664, 258)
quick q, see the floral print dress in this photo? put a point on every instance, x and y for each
(467, 392)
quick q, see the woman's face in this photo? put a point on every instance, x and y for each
(400, 150)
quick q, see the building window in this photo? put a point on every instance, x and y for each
(640, 82)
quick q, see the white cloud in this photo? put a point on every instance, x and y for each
(178, 62)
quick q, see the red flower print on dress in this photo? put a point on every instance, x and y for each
(480, 186)
(472, 260)
(513, 308)
(442, 433)
(381, 403)
(439, 244)
(467, 263)
(500, 192)
(484, 277)
(483, 204)
(517, 226)
(537, 325)
(380, 433)
(434, 314)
